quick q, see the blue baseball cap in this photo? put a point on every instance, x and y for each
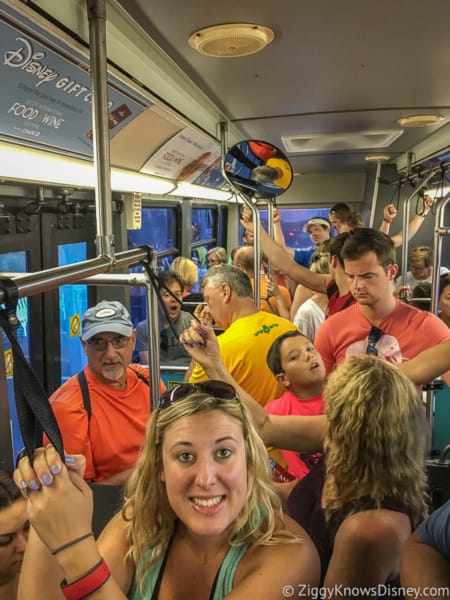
(107, 315)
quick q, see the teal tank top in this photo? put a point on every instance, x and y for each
(222, 586)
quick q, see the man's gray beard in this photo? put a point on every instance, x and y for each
(113, 372)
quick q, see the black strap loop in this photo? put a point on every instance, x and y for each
(33, 408)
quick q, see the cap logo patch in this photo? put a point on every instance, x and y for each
(104, 313)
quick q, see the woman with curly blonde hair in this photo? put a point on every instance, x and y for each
(201, 519)
(361, 504)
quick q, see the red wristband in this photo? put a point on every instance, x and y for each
(387, 220)
(88, 583)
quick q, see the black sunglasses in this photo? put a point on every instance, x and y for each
(374, 335)
(214, 388)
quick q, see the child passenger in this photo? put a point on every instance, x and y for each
(298, 366)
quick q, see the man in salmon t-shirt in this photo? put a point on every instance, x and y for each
(378, 323)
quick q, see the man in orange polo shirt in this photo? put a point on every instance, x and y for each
(102, 412)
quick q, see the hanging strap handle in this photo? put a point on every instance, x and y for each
(33, 408)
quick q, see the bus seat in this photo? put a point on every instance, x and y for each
(441, 433)
(172, 375)
(107, 502)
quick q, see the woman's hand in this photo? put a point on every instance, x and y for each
(59, 500)
(201, 343)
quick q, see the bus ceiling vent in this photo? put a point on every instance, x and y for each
(231, 40)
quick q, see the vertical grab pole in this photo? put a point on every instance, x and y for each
(256, 247)
(96, 10)
(375, 194)
(153, 339)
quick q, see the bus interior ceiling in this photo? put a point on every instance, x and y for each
(328, 90)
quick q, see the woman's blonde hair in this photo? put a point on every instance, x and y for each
(220, 254)
(186, 269)
(375, 439)
(147, 509)
(320, 259)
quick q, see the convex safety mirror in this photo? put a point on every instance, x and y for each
(258, 169)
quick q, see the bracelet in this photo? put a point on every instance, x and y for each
(387, 220)
(88, 583)
(72, 543)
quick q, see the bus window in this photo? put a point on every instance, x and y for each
(15, 262)
(73, 303)
(204, 235)
(292, 222)
(158, 230)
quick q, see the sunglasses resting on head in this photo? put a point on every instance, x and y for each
(217, 389)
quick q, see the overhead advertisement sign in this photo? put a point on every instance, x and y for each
(188, 156)
(46, 97)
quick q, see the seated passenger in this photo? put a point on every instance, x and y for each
(14, 528)
(171, 352)
(187, 270)
(420, 263)
(426, 556)
(298, 366)
(421, 296)
(216, 256)
(107, 397)
(362, 503)
(201, 519)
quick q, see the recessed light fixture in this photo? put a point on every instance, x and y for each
(420, 120)
(377, 157)
(231, 40)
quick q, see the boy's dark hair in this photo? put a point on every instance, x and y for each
(365, 239)
(274, 354)
(336, 244)
(166, 278)
(421, 296)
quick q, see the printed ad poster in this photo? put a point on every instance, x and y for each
(46, 94)
(188, 156)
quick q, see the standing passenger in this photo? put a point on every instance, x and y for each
(299, 368)
(244, 258)
(378, 323)
(118, 396)
(201, 519)
(335, 285)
